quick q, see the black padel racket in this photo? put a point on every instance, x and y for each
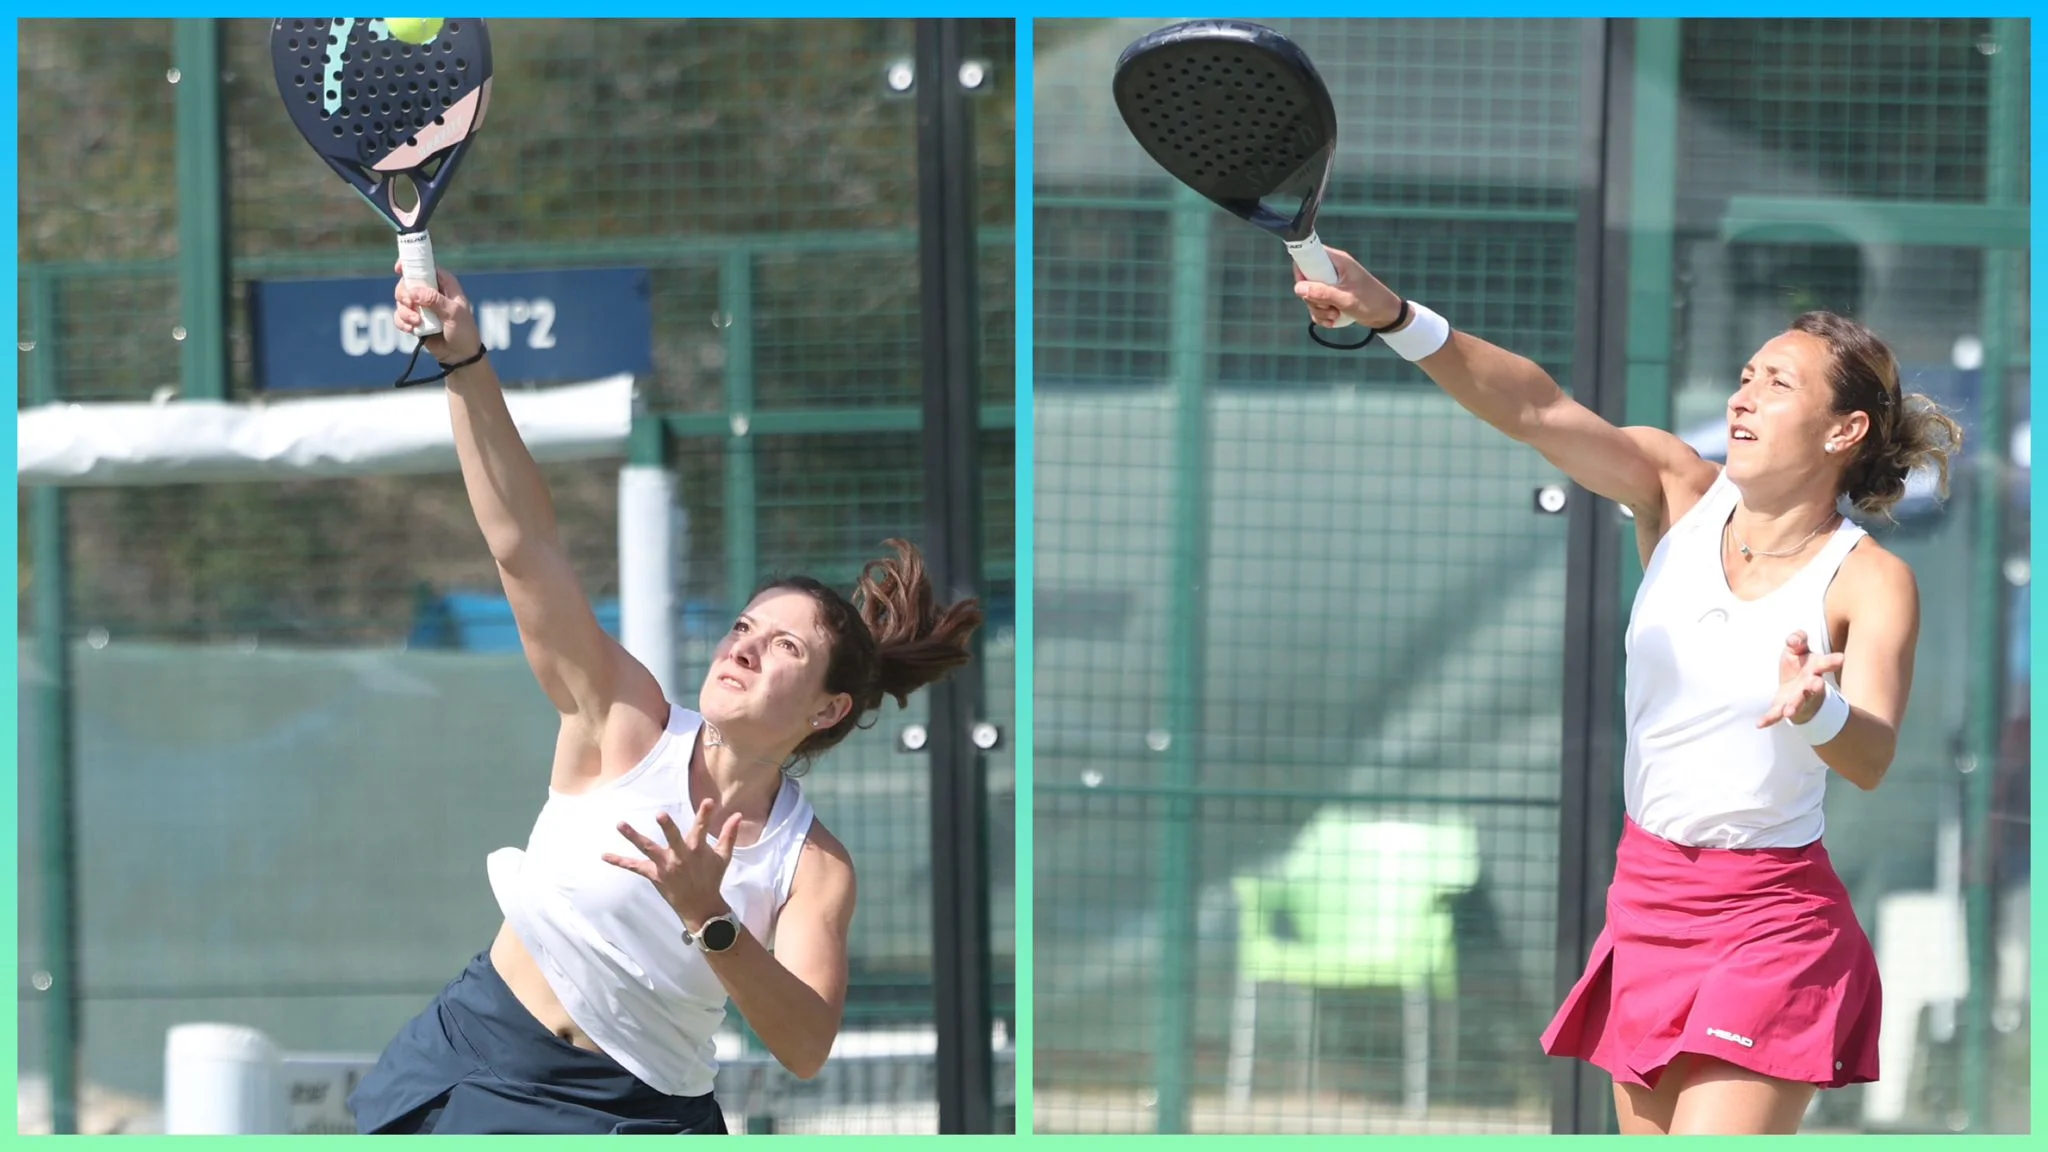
(392, 117)
(1236, 111)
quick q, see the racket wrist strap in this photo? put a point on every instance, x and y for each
(447, 367)
(1424, 334)
(1316, 335)
(406, 381)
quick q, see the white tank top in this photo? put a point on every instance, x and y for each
(1702, 667)
(611, 948)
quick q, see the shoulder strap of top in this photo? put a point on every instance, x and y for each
(796, 819)
(1712, 508)
(1845, 537)
(668, 778)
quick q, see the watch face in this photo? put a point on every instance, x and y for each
(720, 935)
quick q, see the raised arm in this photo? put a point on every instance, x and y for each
(1652, 472)
(608, 700)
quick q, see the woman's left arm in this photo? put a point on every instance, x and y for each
(794, 997)
(1880, 601)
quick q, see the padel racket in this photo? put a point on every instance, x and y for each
(392, 118)
(1236, 111)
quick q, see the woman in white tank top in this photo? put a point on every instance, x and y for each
(675, 847)
(1770, 646)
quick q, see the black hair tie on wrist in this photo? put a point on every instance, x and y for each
(404, 380)
(1369, 334)
(1398, 320)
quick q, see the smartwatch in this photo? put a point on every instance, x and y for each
(718, 934)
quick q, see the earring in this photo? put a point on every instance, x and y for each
(1828, 448)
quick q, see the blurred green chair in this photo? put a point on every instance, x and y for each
(1357, 902)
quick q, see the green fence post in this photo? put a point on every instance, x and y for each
(202, 213)
(56, 980)
(1987, 699)
(647, 441)
(1190, 367)
(742, 539)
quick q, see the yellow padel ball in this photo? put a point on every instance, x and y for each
(413, 31)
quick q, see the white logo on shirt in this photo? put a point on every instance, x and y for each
(1721, 1034)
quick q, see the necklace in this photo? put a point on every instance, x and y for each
(713, 738)
(1749, 554)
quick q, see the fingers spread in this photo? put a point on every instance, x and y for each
(677, 842)
(636, 867)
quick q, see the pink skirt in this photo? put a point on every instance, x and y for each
(1751, 956)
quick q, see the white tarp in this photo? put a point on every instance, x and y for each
(206, 441)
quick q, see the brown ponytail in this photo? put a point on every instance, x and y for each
(890, 639)
(916, 641)
(1907, 430)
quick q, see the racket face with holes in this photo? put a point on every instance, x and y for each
(1235, 111)
(375, 107)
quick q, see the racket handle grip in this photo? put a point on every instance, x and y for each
(416, 258)
(1314, 261)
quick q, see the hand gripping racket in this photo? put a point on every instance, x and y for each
(1236, 112)
(384, 113)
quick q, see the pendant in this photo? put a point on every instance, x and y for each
(1744, 549)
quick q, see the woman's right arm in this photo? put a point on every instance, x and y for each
(587, 675)
(1650, 471)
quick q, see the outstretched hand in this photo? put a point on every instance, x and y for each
(1357, 294)
(689, 868)
(1801, 686)
(459, 338)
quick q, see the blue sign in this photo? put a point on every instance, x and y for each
(540, 327)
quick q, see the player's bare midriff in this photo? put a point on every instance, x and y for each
(521, 973)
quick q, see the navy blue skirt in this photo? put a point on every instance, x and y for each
(476, 1062)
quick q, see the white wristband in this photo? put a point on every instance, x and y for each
(1828, 722)
(1426, 332)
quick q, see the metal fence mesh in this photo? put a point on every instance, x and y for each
(1367, 648)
